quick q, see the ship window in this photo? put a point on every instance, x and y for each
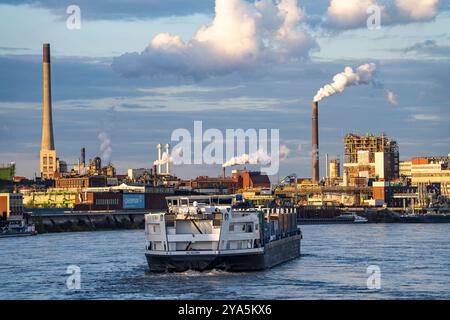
(249, 228)
(231, 228)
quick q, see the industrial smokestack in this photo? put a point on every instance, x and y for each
(224, 173)
(83, 157)
(315, 141)
(168, 161)
(159, 147)
(47, 122)
(47, 155)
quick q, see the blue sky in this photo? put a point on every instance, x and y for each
(95, 88)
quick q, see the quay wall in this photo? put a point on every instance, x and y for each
(86, 221)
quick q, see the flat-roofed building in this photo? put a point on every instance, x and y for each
(11, 207)
(80, 182)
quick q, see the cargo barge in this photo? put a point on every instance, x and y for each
(207, 232)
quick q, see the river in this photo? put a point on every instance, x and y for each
(413, 260)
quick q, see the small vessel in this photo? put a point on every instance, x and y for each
(207, 232)
(17, 229)
(359, 219)
(353, 217)
(347, 218)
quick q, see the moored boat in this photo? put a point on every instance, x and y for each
(17, 229)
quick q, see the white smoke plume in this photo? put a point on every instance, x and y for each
(165, 158)
(284, 151)
(392, 98)
(105, 146)
(363, 75)
(258, 157)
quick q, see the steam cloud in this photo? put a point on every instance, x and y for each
(392, 98)
(259, 157)
(363, 75)
(284, 152)
(165, 158)
(105, 146)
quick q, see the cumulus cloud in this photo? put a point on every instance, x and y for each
(242, 35)
(418, 9)
(349, 14)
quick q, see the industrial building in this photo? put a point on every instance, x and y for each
(7, 172)
(395, 195)
(370, 157)
(123, 198)
(334, 167)
(11, 207)
(78, 183)
(240, 179)
(138, 174)
(428, 170)
(251, 179)
(211, 185)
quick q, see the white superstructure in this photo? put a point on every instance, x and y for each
(198, 224)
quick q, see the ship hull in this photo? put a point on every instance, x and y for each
(274, 253)
(16, 234)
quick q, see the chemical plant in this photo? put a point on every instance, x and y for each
(370, 180)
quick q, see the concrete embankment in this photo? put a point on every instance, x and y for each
(46, 222)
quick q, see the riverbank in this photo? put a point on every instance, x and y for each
(86, 221)
(53, 221)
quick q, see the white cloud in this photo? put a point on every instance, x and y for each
(427, 117)
(418, 9)
(242, 35)
(349, 14)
